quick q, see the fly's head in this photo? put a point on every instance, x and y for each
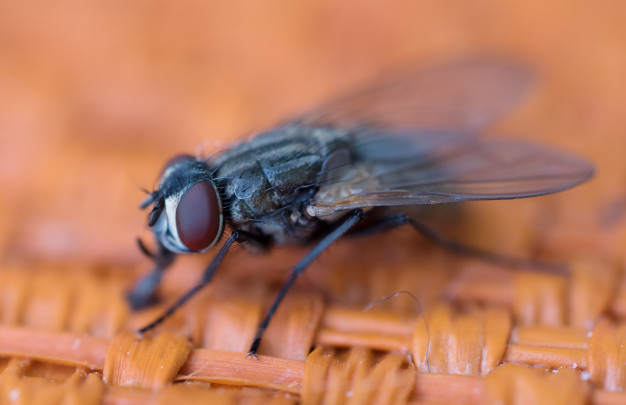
(186, 213)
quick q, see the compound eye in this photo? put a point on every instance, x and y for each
(198, 216)
(176, 159)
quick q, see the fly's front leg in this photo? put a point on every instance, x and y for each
(348, 222)
(236, 236)
(143, 292)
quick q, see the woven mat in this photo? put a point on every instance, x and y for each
(96, 97)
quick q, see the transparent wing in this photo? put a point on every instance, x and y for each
(464, 97)
(472, 171)
(411, 140)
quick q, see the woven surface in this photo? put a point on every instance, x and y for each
(96, 97)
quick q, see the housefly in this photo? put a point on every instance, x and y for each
(409, 140)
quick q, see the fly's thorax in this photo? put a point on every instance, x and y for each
(267, 181)
(284, 144)
(267, 208)
(266, 171)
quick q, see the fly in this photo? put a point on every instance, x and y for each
(411, 140)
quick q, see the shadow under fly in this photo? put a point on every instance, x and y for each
(409, 140)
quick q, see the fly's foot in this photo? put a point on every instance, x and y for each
(252, 354)
(254, 348)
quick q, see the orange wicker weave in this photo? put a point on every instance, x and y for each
(94, 97)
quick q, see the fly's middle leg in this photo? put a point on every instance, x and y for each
(348, 222)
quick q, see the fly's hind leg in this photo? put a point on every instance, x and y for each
(399, 219)
(348, 222)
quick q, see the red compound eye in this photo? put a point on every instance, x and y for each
(198, 216)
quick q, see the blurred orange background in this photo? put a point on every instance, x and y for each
(95, 96)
